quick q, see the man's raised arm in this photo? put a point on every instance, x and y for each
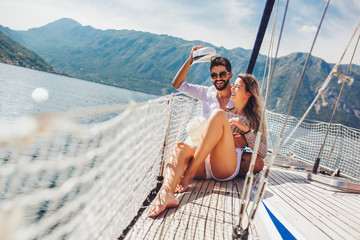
(182, 73)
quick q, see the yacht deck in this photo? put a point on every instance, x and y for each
(209, 210)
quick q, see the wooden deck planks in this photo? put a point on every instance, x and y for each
(184, 225)
(328, 204)
(317, 205)
(204, 218)
(209, 210)
(223, 217)
(216, 214)
(329, 207)
(229, 213)
(295, 212)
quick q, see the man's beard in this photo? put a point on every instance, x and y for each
(224, 85)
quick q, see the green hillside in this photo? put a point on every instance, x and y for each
(121, 58)
(14, 53)
(286, 77)
(148, 62)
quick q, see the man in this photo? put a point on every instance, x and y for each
(217, 96)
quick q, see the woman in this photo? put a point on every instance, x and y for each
(216, 156)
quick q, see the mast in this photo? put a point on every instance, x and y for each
(260, 35)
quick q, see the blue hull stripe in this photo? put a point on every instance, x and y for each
(283, 231)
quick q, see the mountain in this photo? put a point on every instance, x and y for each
(14, 53)
(287, 75)
(124, 58)
(148, 62)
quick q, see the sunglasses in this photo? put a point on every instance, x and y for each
(221, 75)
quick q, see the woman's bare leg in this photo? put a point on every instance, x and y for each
(174, 171)
(217, 139)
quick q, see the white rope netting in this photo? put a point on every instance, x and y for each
(342, 146)
(85, 174)
(67, 178)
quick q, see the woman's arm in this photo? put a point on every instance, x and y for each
(250, 139)
(239, 140)
(250, 136)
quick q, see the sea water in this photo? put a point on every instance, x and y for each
(18, 85)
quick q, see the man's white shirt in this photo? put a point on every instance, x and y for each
(207, 95)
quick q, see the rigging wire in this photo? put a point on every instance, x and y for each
(270, 50)
(333, 146)
(267, 66)
(303, 73)
(337, 102)
(264, 178)
(250, 176)
(239, 231)
(334, 72)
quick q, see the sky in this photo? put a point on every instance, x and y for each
(227, 23)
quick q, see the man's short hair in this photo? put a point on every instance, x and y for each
(220, 61)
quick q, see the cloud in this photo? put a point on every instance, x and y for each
(303, 19)
(348, 9)
(308, 29)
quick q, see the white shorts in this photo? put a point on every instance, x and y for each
(209, 173)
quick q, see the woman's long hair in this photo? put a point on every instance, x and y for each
(254, 108)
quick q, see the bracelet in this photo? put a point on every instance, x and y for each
(247, 131)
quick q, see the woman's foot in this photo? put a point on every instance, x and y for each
(164, 199)
(184, 182)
